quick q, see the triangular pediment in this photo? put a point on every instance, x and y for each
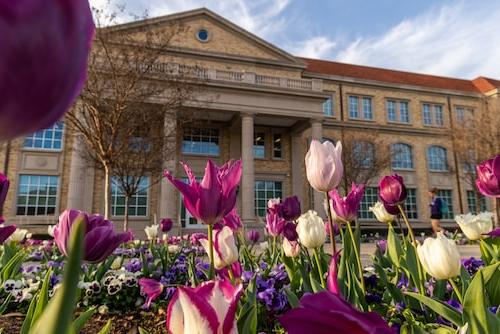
(225, 38)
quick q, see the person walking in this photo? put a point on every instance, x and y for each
(436, 210)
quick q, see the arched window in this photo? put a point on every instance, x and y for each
(364, 154)
(401, 156)
(436, 158)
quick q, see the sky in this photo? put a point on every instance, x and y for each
(457, 38)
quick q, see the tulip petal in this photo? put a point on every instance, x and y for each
(199, 316)
(175, 315)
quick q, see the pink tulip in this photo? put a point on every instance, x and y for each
(392, 191)
(346, 208)
(324, 167)
(151, 288)
(43, 61)
(488, 177)
(4, 188)
(232, 220)
(209, 308)
(215, 196)
(275, 223)
(332, 282)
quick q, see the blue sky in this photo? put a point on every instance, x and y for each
(459, 38)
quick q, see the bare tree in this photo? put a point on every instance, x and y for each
(477, 138)
(127, 72)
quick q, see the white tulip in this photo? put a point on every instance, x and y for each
(440, 257)
(311, 229)
(173, 248)
(18, 235)
(50, 230)
(381, 213)
(225, 250)
(290, 248)
(324, 167)
(151, 231)
(272, 202)
(474, 226)
(263, 246)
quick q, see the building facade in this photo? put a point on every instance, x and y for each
(263, 105)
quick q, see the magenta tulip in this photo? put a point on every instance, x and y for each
(332, 283)
(291, 208)
(44, 49)
(253, 236)
(6, 232)
(209, 308)
(274, 221)
(232, 220)
(100, 239)
(236, 270)
(494, 233)
(151, 288)
(488, 177)
(392, 190)
(326, 313)
(4, 188)
(290, 231)
(215, 196)
(166, 225)
(346, 208)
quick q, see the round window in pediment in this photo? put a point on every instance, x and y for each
(203, 35)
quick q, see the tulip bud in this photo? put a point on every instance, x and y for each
(291, 208)
(392, 190)
(474, 226)
(166, 225)
(253, 236)
(488, 177)
(274, 221)
(225, 250)
(324, 167)
(346, 208)
(440, 257)
(311, 229)
(290, 248)
(290, 231)
(381, 213)
(4, 188)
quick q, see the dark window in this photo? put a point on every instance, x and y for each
(37, 195)
(277, 146)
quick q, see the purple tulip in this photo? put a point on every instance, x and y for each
(43, 62)
(326, 313)
(346, 208)
(392, 190)
(5, 232)
(253, 236)
(332, 282)
(232, 220)
(290, 231)
(494, 233)
(382, 245)
(291, 208)
(166, 225)
(236, 269)
(215, 196)
(4, 188)
(274, 221)
(209, 308)
(336, 230)
(100, 239)
(488, 177)
(392, 209)
(151, 288)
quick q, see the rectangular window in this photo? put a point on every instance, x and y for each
(463, 114)
(391, 110)
(277, 146)
(438, 113)
(37, 195)
(472, 197)
(259, 145)
(460, 114)
(47, 139)
(367, 108)
(328, 107)
(353, 107)
(446, 196)
(427, 114)
(404, 112)
(411, 204)
(264, 191)
(369, 199)
(203, 141)
(138, 204)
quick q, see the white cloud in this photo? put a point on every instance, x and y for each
(315, 47)
(459, 40)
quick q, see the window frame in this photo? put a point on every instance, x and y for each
(450, 215)
(393, 156)
(472, 201)
(398, 114)
(266, 198)
(264, 146)
(431, 119)
(43, 149)
(148, 199)
(370, 147)
(432, 152)
(329, 105)
(412, 195)
(364, 207)
(56, 196)
(273, 157)
(201, 154)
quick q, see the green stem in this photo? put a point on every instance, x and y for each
(358, 258)
(231, 275)
(211, 273)
(330, 221)
(457, 291)
(410, 229)
(320, 271)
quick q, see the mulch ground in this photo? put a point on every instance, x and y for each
(121, 323)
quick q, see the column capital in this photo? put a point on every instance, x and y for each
(316, 120)
(247, 114)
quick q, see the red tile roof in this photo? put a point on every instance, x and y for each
(398, 77)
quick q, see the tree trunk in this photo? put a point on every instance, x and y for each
(125, 218)
(497, 211)
(107, 192)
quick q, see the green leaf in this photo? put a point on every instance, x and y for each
(316, 286)
(143, 331)
(464, 278)
(43, 297)
(247, 319)
(11, 269)
(5, 304)
(29, 317)
(440, 308)
(394, 248)
(293, 300)
(106, 328)
(82, 319)
(491, 275)
(57, 317)
(411, 264)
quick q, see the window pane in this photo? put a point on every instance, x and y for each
(401, 156)
(427, 114)
(404, 113)
(436, 158)
(411, 204)
(438, 113)
(369, 199)
(328, 107)
(472, 202)
(364, 154)
(446, 196)
(37, 195)
(259, 145)
(353, 107)
(48, 139)
(138, 203)
(277, 142)
(367, 108)
(200, 141)
(391, 110)
(271, 189)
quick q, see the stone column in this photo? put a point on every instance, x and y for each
(298, 156)
(317, 133)
(168, 200)
(248, 176)
(77, 187)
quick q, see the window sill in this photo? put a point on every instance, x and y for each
(403, 169)
(439, 171)
(47, 150)
(361, 120)
(400, 123)
(434, 126)
(200, 155)
(140, 218)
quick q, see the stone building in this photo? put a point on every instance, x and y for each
(264, 106)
